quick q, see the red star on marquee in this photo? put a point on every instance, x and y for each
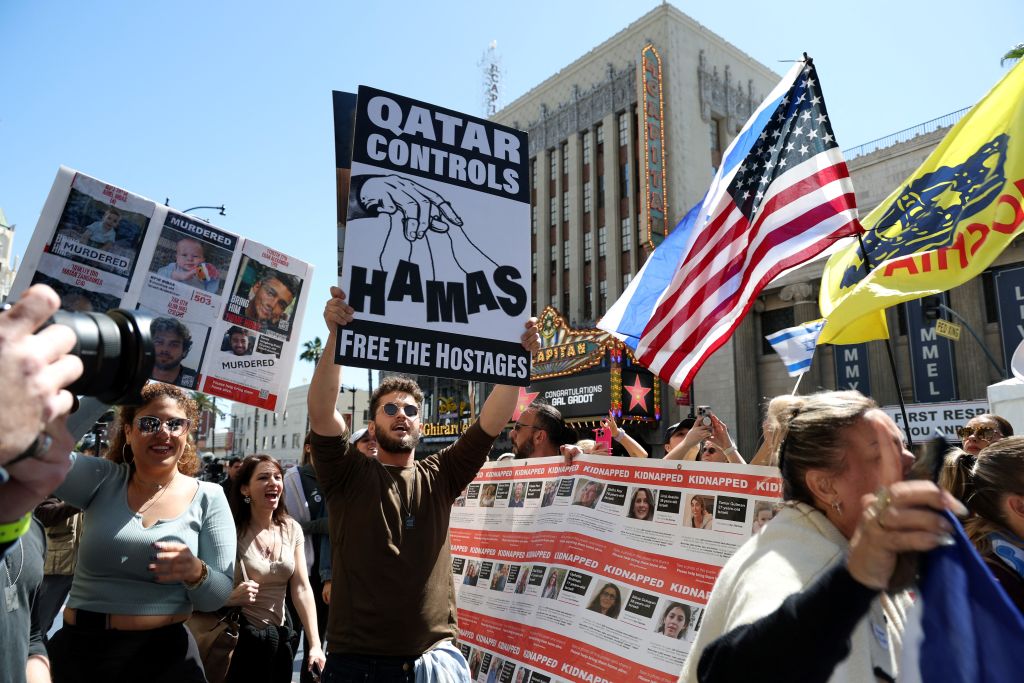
(638, 395)
(523, 401)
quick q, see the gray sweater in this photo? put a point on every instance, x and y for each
(112, 574)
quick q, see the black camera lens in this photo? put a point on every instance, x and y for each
(117, 355)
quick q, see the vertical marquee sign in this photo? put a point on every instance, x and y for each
(654, 147)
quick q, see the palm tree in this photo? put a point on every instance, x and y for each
(1014, 55)
(312, 351)
(207, 402)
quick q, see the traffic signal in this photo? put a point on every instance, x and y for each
(931, 307)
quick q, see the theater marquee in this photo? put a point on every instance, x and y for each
(653, 127)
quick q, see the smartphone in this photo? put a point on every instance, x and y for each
(316, 671)
(704, 415)
(930, 457)
(603, 437)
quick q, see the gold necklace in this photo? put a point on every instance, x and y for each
(153, 499)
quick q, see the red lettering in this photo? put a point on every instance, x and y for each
(980, 228)
(906, 262)
(1018, 215)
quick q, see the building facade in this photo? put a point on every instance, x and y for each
(281, 434)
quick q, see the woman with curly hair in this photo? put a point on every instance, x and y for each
(157, 543)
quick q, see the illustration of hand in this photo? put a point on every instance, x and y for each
(411, 205)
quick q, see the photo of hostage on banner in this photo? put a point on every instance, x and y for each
(436, 252)
(86, 244)
(252, 349)
(263, 299)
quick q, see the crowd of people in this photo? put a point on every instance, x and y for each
(349, 551)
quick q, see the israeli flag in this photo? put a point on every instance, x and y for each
(963, 628)
(795, 345)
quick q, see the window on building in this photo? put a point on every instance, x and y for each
(623, 129)
(264, 443)
(295, 441)
(565, 158)
(533, 219)
(626, 278)
(588, 305)
(773, 321)
(716, 142)
(624, 181)
(565, 206)
(599, 134)
(565, 303)
(586, 197)
(602, 297)
(273, 440)
(264, 419)
(533, 173)
(248, 421)
(565, 255)
(600, 191)
(988, 290)
(554, 256)
(602, 241)
(554, 211)
(588, 246)
(275, 419)
(533, 263)
(554, 301)
(552, 164)
(627, 234)
(586, 147)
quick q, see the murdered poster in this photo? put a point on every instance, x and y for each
(437, 243)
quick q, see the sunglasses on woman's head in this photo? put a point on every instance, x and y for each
(391, 409)
(983, 433)
(176, 426)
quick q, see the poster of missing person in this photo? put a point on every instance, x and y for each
(598, 570)
(255, 341)
(436, 242)
(101, 247)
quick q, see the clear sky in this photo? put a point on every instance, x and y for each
(229, 101)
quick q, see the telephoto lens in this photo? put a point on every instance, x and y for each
(117, 355)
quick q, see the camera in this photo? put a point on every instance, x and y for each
(116, 349)
(704, 415)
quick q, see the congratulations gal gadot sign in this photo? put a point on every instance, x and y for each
(437, 242)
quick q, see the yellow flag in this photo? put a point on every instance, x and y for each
(942, 227)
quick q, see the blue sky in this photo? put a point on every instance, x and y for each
(210, 102)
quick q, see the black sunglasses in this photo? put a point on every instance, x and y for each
(391, 409)
(176, 426)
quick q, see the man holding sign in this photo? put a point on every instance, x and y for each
(393, 607)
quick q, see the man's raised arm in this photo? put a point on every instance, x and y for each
(501, 403)
(324, 418)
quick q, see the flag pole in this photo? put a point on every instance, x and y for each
(797, 385)
(888, 348)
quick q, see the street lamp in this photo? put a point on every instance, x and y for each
(221, 209)
(353, 391)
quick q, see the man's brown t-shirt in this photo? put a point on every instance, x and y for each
(392, 592)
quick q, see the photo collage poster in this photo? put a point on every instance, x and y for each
(101, 247)
(597, 569)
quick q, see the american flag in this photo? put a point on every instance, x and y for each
(782, 195)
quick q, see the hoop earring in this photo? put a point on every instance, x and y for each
(247, 500)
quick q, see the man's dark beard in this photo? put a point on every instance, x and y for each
(167, 366)
(524, 451)
(406, 444)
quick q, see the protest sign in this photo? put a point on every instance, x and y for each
(599, 570)
(437, 242)
(102, 247)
